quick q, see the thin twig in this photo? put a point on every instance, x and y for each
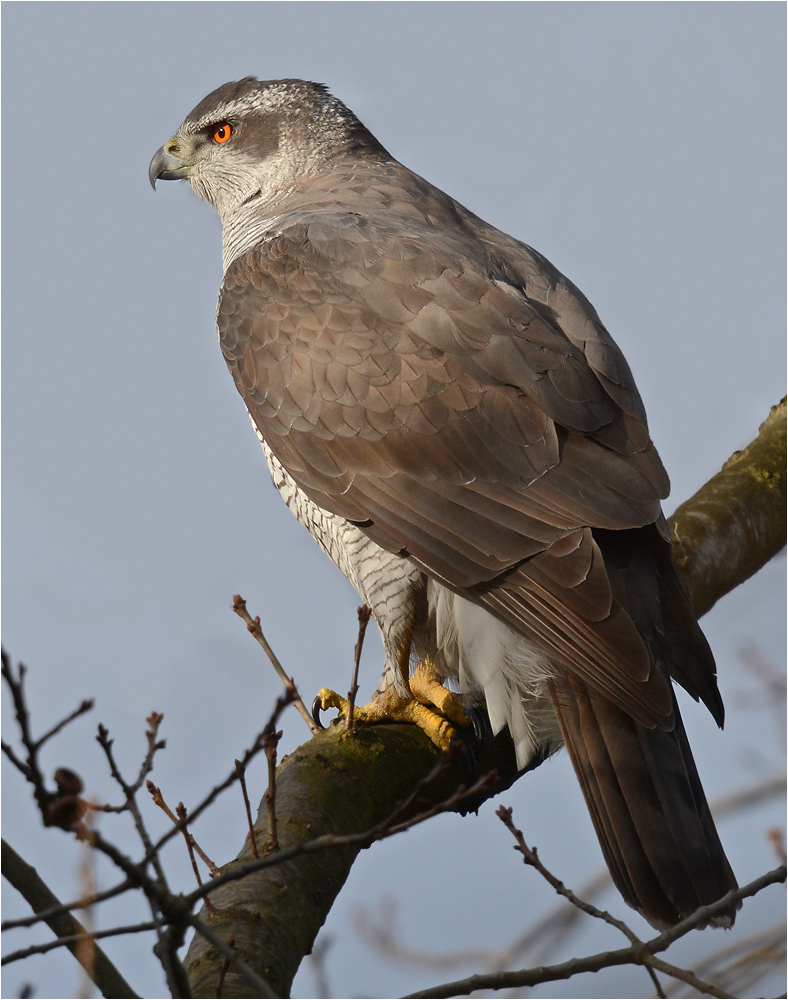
(531, 858)
(685, 975)
(364, 613)
(248, 807)
(777, 839)
(85, 706)
(8, 750)
(271, 739)
(182, 815)
(30, 769)
(166, 950)
(742, 962)
(210, 798)
(64, 941)
(644, 952)
(253, 625)
(261, 987)
(657, 984)
(26, 880)
(180, 823)
(168, 937)
(130, 791)
(154, 720)
(225, 967)
(703, 914)
(77, 904)
(383, 830)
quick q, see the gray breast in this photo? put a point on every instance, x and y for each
(384, 580)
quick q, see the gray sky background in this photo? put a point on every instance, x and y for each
(640, 147)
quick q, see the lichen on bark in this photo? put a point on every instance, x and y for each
(736, 522)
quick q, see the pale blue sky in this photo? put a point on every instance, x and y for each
(640, 147)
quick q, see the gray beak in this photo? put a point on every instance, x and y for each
(166, 167)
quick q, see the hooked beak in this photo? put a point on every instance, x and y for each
(166, 167)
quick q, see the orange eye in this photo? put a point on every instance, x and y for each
(222, 132)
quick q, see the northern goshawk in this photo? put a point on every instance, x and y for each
(448, 416)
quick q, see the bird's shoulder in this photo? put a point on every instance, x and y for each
(372, 264)
(438, 383)
(379, 319)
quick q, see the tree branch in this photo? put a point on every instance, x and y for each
(639, 953)
(735, 523)
(343, 784)
(335, 795)
(26, 880)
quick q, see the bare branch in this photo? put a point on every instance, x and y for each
(130, 792)
(180, 822)
(253, 625)
(191, 845)
(65, 941)
(741, 963)
(225, 967)
(531, 858)
(30, 768)
(27, 881)
(735, 523)
(154, 720)
(211, 797)
(84, 706)
(364, 614)
(551, 928)
(388, 827)
(77, 904)
(636, 954)
(271, 739)
(248, 807)
(319, 842)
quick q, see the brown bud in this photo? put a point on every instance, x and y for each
(67, 811)
(68, 782)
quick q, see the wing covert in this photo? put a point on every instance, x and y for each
(410, 392)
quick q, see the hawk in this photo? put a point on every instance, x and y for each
(447, 415)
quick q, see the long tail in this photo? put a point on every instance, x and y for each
(648, 807)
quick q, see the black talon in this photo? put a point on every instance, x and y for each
(468, 755)
(317, 708)
(480, 721)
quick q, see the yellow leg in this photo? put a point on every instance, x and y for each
(387, 706)
(426, 687)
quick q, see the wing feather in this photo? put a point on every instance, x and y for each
(418, 391)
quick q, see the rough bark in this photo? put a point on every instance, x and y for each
(346, 784)
(337, 784)
(736, 522)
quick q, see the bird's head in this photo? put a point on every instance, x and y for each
(253, 141)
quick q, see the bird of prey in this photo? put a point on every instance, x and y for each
(447, 415)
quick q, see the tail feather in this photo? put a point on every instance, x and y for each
(647, 805)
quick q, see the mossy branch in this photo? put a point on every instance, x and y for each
(735, 523)
(344, 783)
(338, 785)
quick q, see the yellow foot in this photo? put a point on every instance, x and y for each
(387, 706)
(425, 686)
